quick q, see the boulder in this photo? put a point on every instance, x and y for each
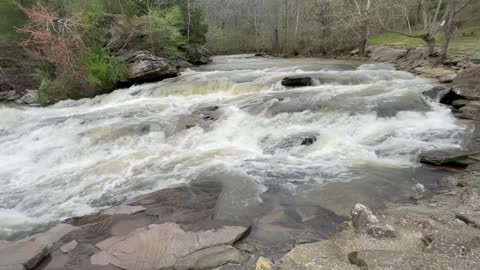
(467, 109)
(443, 75)
(145, 67)
(467, 83)
(179, 62)
(289, 143)
(455, 159)
(362, 217)
(30, 97)
(437, 92)
(8, 95)
(27, 254)
(475, 58)
(162, 246)
(298, 81)
(387, 54)
(198, 54)
(202, 117)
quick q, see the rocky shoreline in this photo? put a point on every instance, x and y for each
(176, 228)
(438, 231)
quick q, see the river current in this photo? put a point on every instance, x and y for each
(355, 136)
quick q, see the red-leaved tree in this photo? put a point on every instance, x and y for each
(55, 39)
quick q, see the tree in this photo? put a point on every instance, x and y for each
(55, 39)
(363, 9)
(453, 8)
(432, 14)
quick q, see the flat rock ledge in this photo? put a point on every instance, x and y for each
(169, 229)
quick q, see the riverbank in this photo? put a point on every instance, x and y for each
(439, 231)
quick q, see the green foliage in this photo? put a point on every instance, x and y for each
(10, 17)
(51, 91)
(162, 31)
(103, 70)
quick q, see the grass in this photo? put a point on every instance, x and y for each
(465, 43)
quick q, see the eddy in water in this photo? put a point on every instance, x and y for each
(353, 137)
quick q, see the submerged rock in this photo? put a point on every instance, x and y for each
(290, 143)
(202, 117)
(297, 81)
(437, 92)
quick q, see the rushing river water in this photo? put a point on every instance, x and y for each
(354, 137)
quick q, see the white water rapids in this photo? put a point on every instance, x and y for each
(77, 157)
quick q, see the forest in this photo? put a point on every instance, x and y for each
(239, 134)
(82, 40)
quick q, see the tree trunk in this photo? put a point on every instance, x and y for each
(189, 19)
(362, 47)
(449, 30)
(431, 42)
(276, 40)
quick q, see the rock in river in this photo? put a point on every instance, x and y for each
(145, 67)
(198, 54)
(295, 81)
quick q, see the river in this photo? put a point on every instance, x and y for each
(354, 137)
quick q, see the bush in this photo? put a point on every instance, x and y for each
(162, 31)
(103, 70)
(51, 91)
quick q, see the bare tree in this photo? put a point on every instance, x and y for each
(453, 8)
(432, 19)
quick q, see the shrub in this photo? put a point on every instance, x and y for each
(103, 70)
(51, 91)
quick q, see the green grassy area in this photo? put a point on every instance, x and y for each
(465, 43)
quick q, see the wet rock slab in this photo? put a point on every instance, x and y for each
(162, 246)
(453, 159)
(170, 229)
